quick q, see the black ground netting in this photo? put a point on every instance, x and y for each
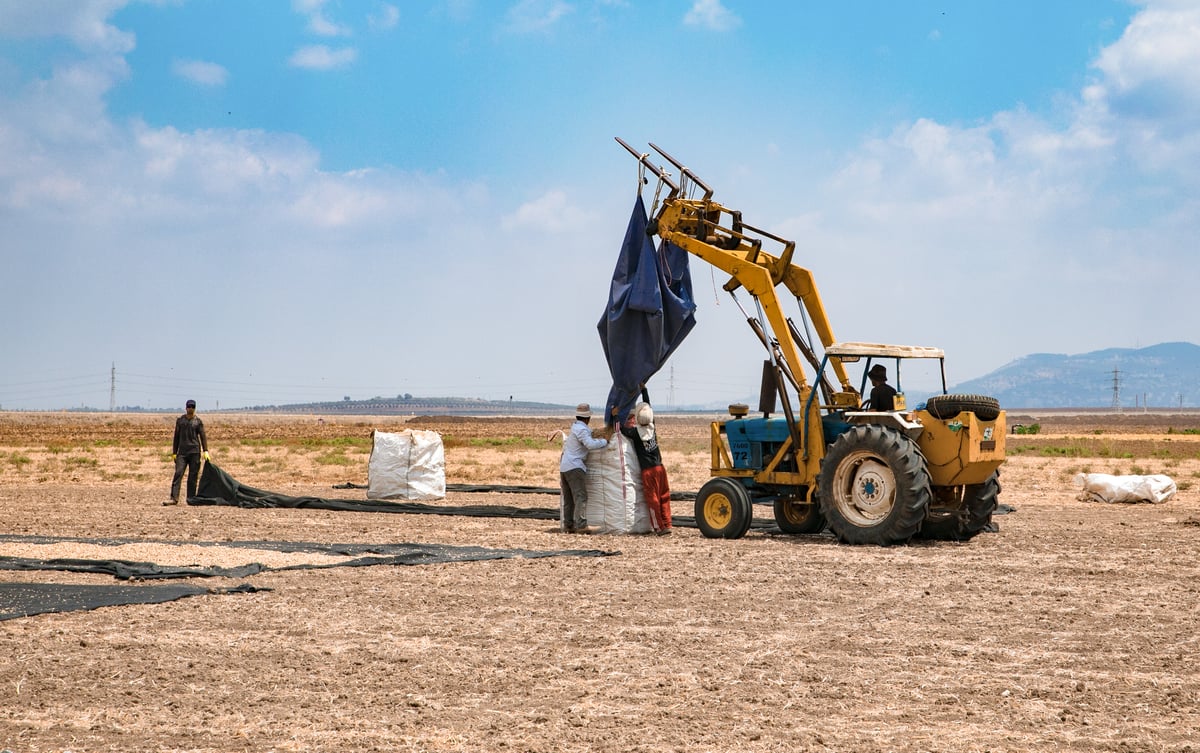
(513, 489)
(24, 599)
(28, 599)
(129, 570)
(364, 555)
(219, 488)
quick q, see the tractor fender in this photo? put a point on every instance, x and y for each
(889, 419)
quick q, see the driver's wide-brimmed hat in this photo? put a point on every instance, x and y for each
(878, 371)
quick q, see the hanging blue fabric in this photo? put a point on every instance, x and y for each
(650, 310)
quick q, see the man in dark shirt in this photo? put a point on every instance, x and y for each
(640, 431)
(882, 394)
(186, 449)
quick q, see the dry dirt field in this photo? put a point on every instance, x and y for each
(1073, 628)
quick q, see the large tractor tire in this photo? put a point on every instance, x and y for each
(979, 501)
(975, 515)
(948, 406)
(723, 509)
(982, 500)
(875, 487)
(793, 516)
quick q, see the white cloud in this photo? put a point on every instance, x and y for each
(712, 15)
(456, 10)
(200, 72)
(387, 16)
(1148, 92)
(550, 213)
(220, 165)
(318, 23)
(534, 16)
(322, 58)
(84, 22)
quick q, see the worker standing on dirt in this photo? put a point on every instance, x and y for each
(882, 394)
(189, 444)
(639, 428)
(572, 470)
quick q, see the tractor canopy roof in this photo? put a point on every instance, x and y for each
(850, 352)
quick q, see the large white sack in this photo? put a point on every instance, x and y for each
(407, 465)
(1103, 487)
(614, 487)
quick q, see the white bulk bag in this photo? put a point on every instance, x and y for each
(614, 487)
(1102, 487)
(407, 465)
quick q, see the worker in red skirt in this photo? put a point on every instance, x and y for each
(639, 428)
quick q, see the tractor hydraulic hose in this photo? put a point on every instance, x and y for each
(808, 406)
(811, 357)
(778, 362)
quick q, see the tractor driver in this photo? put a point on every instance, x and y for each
(882, 393)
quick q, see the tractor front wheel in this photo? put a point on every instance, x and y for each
(875, 486)
(723, 509)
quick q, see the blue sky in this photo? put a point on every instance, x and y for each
(271, 202)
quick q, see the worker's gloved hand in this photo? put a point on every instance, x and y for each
(173, 456)
(206, 458)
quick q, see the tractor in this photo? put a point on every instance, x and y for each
(815, 452)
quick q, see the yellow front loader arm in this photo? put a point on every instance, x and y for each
(694, 226)
(710, 231)
(716, 234)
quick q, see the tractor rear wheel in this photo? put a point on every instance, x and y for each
(982, 500)
(973, 517)
(723, 509)
(794, 516)
(875, 486)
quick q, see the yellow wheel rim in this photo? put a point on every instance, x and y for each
(795, 512)
(718, 511)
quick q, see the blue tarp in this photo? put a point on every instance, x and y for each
(650, 310)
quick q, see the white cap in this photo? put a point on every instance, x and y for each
(645, 414)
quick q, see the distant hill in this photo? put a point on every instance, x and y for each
(1160, 376)
(407, 405)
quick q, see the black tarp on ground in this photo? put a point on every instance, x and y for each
(219, 488)
(28, 599)
(676, 496)
(362, 555)
(650, 310)
(24, 599)
(128, 569)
